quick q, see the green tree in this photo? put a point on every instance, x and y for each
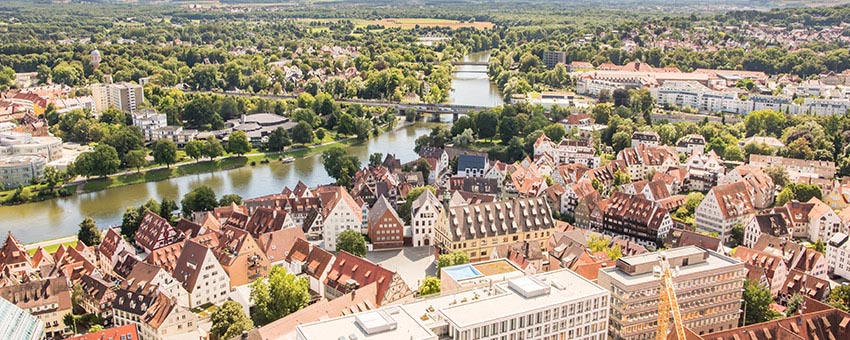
(279, 295)
(819, 246)
(279, 139)
(793, 304)
(213, 148)
(430, 285)
(130, 222)
(758, 300)
(89, 234)
(784, 196)
(95, 328)
(487, 123)
(452, 259)
(508, 128)
(555, 132)
(340, 165)
(302, 133)
(228, 199)
(200, 199)
(238, 143)
(839, 298)
(166, 208)
(620, 141)
(195, 149)
(351, 241)
(778, 174)
(101, 162)
(376, 159)
(736, 235)
(229, 321)
(165, 152)
(135, 159)
(464, 139)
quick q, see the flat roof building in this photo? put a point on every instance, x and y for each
(708, 287)
(554, 305)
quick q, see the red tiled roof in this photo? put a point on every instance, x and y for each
(120, 332)
(349, 268)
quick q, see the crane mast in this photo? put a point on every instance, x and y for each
(667, 303)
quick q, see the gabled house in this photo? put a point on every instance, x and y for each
(339, 213)
(798, 282)
(471, 165)
(265, 220)
(14, 257)
(643, 159)
(772, 224)
(240, 256)
(636, 218)
(155, 232)
(723, 207)
(156, 315)
(201, 274)
(386, 228)
(309, 260)
(760, 264)
(348, 273)
(110, 247)
(97, 294)
(276, 244)
(144, 274)
(48, 300)
(427, 214)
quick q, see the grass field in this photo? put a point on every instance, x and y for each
(409, 23)
(53, 247)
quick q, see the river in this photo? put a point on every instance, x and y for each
(38, 221)
(470, 85)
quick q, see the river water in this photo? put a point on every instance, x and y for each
(60, 217)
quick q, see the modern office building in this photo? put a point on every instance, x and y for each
(122, 96)
(708, 288)
(554, 305)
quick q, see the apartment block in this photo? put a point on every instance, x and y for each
(122, 96)
(708, 288)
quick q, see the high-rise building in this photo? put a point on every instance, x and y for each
(122, 96)
(708, 288)
(552, 58)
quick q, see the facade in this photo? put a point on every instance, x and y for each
(722, 208)
(476, 228)
(48, 300)
(21, 170)
(838, 255)
(772, 224)
(155, 232)
(339, 213)
(636, 218)
(471, 165)
(643, 159)
(708, 288)
(427, 214)
(149, 121)
(122, 96)
(201, 275)
(650, 138)
(386, 228)
(553, 305)
(552, 58)
(16, 323)
(156, 316)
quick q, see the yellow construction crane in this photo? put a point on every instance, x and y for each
(667, 302)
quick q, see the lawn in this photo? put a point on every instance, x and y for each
(162, 174)
(53, 247)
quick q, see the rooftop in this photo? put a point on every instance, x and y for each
(521, 295)
(713, 261)
(391, 323)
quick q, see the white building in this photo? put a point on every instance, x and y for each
(553, 305)
(722, 208)
(148, 120)
(340, 212)
(201, 275)
(122, 96)
(426, 214)
(838, 255)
